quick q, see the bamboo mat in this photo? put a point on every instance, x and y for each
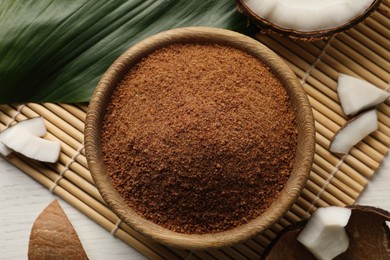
(335, 180)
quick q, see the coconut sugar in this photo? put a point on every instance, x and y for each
(199, 138)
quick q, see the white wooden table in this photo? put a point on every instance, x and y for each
(22, 199)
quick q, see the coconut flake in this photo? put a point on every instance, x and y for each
(324, 235)
(354, 131)
(308, 15)
(35, 126)
(32, 146)
(357, 95)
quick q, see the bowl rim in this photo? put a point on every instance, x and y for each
(305, 145)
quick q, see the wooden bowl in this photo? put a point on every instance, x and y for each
(281, 204)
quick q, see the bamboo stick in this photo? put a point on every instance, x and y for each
(83, 106)
(287, 219)
(315, 201)
(383, 117)
(347, 65)
(252, 244)
(66, 116)
(305, 204)
(336, 182)
(364, 50)
(246, 251)
(269, 234)
(321, 177)
(75, 166)
(376, 22)
(282, 222)
(213, 254)
(262, 240)
(356, 185)
(335, 111)
(361, 36)
(360, 60)
(231, 252)
(79, 182)
(199, 254)
(303, 214)
(385, 108)
(333, 160)
(384, 7)
(74, 110)
(325, 195)
(327, 183)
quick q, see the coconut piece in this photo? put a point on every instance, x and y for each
(307, 19)
(32, 146)
(357, 95)
(324, 235)
(369, 238)
(354, 131)
(35, 126)
(53, 236)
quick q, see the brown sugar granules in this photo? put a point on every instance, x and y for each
(199, 138)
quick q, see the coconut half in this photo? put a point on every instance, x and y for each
(307, 19)
(368, 234)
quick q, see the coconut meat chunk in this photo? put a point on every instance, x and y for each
(357, 94)
(32, 146)
(308, 15)
(35, 126)
(324, 235)
(354, 131)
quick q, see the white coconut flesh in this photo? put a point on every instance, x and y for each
(357, 94)
(354, 131)
(324, 234)
(32, 146)
(35, 126)
(308, 15)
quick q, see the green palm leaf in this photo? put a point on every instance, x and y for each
(56, 50)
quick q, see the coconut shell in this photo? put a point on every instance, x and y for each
(53, 236)
(369, 238)
(267, 26)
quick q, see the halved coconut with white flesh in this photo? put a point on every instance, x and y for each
(357, 95)
(35, 126)
(31, 146)
(307, 19)
(368, 235)
(354, 131)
